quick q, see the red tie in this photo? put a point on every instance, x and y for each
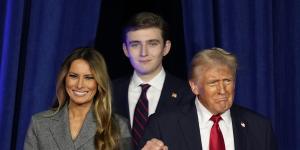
(216, 141)
(140, 117)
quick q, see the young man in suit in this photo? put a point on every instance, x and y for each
(211, 121)
(145, 43)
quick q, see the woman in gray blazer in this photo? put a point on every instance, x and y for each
(82, 117)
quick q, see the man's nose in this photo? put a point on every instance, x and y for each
(221, 88)
(144, 51)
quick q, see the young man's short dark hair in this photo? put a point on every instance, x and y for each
(147, 20)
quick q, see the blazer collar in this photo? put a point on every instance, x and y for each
(88, 129)
(240, 128)
(190, 127)
(60, 129)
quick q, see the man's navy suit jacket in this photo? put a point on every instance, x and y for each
(175, 92)
(179, 130)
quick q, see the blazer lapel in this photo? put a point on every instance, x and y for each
(87, 131)
(120, 98)
(125, 102)
(240, 129)
(169, 95)
(60, 129)
(190, 127)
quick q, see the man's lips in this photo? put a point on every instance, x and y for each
(144, 61)
(222, 99)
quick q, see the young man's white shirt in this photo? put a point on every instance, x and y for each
(153, 93)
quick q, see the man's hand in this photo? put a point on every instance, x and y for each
(155, 144)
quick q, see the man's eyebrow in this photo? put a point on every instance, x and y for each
(135, 41)
(154, 40)
(212, 80)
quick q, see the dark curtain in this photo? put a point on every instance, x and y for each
(264, 34)
(35, 37)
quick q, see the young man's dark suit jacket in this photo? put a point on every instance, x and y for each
(179, 130)
(174, 92)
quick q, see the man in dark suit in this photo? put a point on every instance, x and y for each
(145, 43)
(211, 121)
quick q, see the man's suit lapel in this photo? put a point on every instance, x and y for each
(169, 95)
(124, 96)
(240, 129)
(87, 131)
(59, 128)
(120, 99)
(190, 127)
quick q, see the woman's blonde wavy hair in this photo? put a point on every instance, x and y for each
(107, 134)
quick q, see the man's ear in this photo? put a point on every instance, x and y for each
(194, 87)
(167, 47)
(125, 49)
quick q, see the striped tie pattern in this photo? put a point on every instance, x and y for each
(140, 117)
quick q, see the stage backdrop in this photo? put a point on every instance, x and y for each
(265, 36)
(35, 37)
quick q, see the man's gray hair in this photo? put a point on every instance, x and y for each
(212, 56)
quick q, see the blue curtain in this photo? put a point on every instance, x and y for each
(264, 34)
(35, 37)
